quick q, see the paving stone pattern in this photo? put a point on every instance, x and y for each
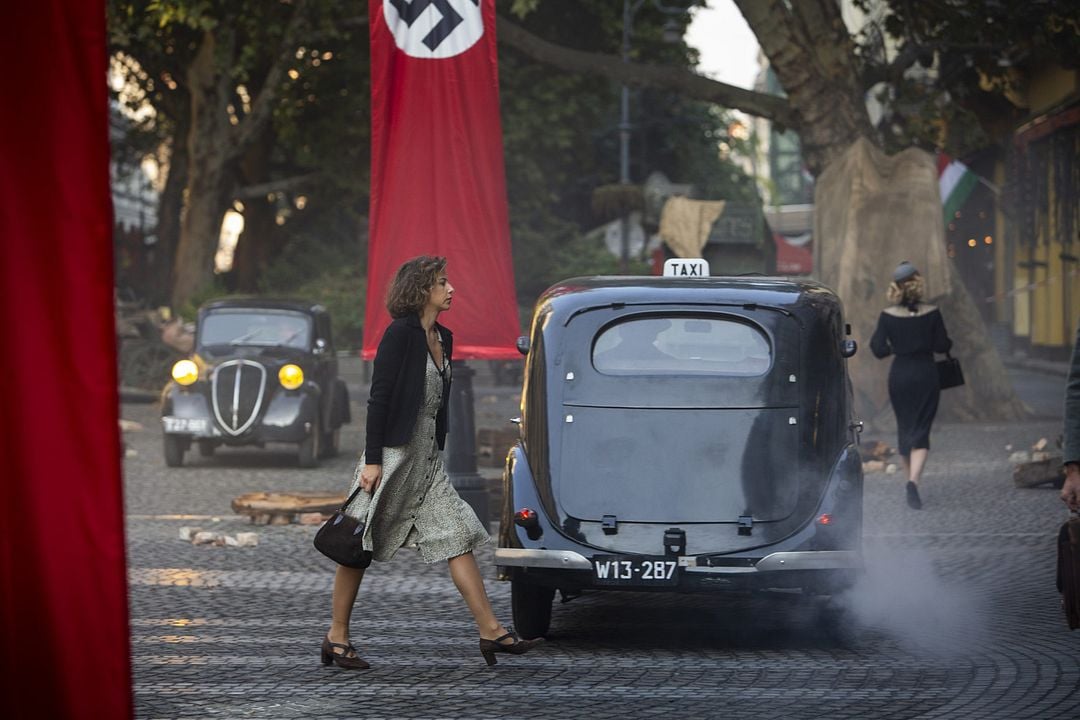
(957, 616)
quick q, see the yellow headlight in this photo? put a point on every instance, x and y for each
(290, 376)
(185, 372)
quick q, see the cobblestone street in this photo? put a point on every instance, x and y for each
(957, 616)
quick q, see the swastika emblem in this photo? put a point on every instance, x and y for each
(434, 29)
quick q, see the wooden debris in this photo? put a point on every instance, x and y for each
(1040, 444)
(873, 466)
(1039, 472)
(282, 508)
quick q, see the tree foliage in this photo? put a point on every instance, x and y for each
(560, 131)
(959, 72)
(560, 128)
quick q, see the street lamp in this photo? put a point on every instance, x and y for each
(672, 34)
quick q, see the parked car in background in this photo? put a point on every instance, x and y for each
(681, 434)
(262, 371)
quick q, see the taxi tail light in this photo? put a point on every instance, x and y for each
(825, 519)
(528, 519)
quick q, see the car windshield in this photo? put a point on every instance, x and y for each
(255, 327)
(681, 346)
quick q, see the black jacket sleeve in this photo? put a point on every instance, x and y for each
(879, 341)
(389, 359)
(941, 341)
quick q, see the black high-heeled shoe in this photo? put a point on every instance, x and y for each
(488, 648)
(343, 660)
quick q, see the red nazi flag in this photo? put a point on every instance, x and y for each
(438, 183)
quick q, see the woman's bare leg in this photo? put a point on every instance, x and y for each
(470, 584)
(346, 584)
(917, 463)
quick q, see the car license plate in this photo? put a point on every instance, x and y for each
(195, 426)
(636, 570)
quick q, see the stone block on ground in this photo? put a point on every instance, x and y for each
(1035, 472)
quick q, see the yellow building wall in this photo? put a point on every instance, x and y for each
(1048, 314)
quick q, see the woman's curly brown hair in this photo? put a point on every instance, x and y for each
(908, 293)
(409, 289)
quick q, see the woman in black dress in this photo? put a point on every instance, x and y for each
(912, 331)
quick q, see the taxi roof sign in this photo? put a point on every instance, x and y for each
(686, 267)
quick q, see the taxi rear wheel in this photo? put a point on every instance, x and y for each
(531, 606)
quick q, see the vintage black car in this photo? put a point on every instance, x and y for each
(262, 371)
(682, 434)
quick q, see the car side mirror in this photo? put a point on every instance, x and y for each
(523, 345)
(320, 346)
(848, 348)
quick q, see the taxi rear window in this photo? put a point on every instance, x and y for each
(681, 346)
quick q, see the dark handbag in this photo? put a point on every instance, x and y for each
(1068, 570)
(341, 538)
(949, 372)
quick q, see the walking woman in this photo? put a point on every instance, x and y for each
(407, 497)
(912, 331)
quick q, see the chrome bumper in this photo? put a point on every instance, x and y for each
(779, 561)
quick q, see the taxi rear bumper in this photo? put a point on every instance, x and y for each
(773, 562)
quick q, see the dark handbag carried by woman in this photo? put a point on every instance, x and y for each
(341, 538)
(949, 372)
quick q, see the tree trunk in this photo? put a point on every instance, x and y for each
(812, 54)
(170, 209)
(214, 145)
(875, 211)
(252, 249)
(210, 180)
(870, 212)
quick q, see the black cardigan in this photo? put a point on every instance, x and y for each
(397, 386)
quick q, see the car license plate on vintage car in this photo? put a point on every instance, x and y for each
(636, 570)
(196, 426)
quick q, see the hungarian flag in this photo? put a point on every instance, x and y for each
(438, 184)
(956, 181)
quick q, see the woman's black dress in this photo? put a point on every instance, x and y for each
(913, 337)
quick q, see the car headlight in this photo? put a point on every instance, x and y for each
(290, 376)
(185, 372)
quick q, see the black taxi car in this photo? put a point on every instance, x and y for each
(681, 434)
(262, 371)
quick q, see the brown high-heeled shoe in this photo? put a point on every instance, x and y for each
(488, 648)
(343, 660)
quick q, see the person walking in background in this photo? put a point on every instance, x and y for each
(407, 497)
(912, 331)
(1070, 491)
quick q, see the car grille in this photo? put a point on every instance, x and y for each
(237, 388)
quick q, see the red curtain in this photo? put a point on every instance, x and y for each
(63, 599)
(438, 184)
